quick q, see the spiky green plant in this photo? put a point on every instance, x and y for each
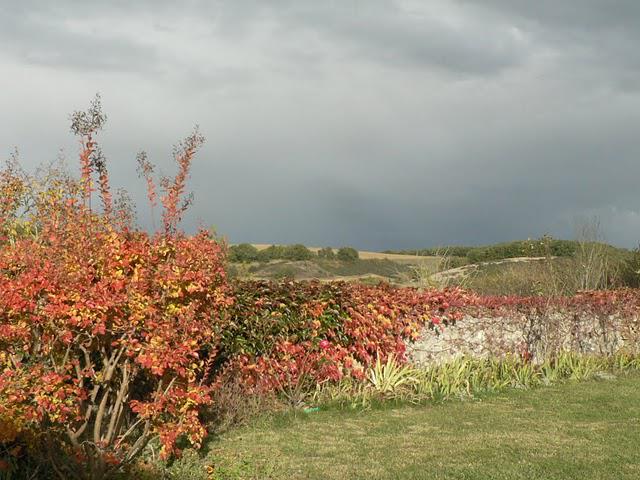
(389, 377)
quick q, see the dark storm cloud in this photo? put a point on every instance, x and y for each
(583, 14)
(393, 36)
(603, 34)
(44, 33)
(378, 123)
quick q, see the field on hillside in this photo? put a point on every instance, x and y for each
(568, 268)
(369, 267)
(366, 255)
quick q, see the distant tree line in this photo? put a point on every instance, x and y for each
(247, 253)
(520, 248)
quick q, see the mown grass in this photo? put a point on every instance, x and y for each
(586, 430)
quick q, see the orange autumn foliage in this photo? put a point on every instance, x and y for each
(103, 327)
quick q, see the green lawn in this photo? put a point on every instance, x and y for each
(583, 431)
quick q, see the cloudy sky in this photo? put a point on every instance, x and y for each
(375, 123)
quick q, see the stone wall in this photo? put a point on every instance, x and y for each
(535, 335)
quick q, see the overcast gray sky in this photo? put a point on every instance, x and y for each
(379, 124)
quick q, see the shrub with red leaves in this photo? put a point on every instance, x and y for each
(102, 326)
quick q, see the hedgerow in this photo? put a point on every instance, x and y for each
(276, 335)
(288, 335)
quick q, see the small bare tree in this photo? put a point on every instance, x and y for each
(595, 269)
(551, 285)
(432, 272)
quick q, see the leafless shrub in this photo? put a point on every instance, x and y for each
(429, 272)
(233, 406)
